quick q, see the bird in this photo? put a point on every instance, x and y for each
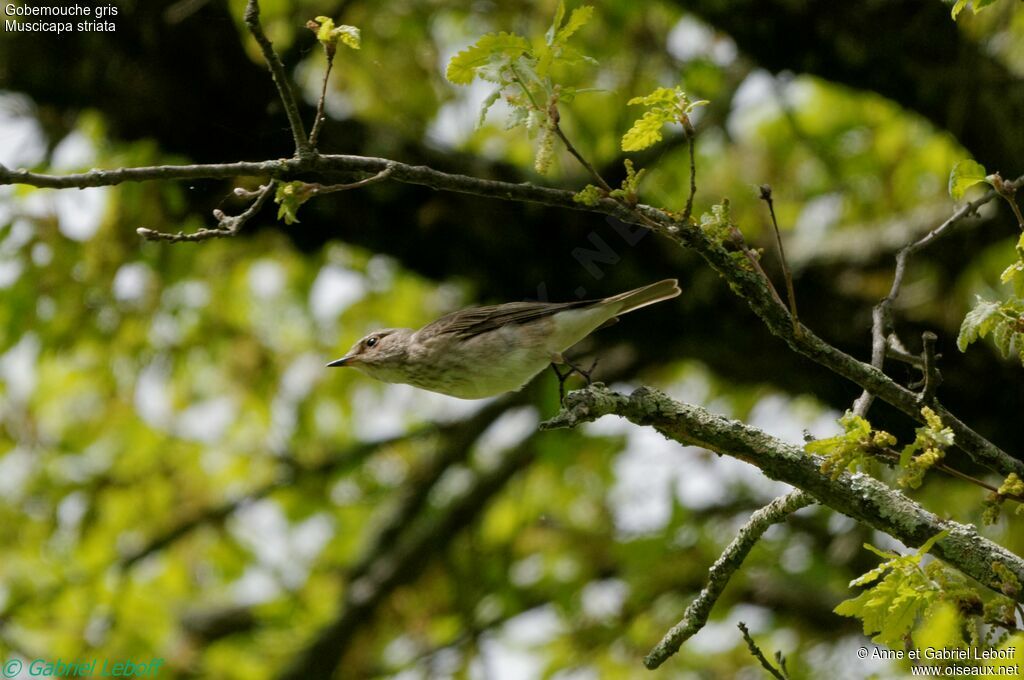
(481, 352)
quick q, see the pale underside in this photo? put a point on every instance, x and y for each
(500, 360)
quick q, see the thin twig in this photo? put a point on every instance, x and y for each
(691, 147)
(721, 571)
(953, 472)
(317, 124)
(321, 189)
(737, 237)
(881, 316)
(932, 378)
(277, 72)
(229, 225)
(766, 196)
(583, 161)
(756, 652)
(555, 117)
(891, 458)
(329, 52)
(894, 349)
(1008, 191)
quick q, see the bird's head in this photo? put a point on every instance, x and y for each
(380, 355)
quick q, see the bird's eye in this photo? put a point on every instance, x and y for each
(370, 342)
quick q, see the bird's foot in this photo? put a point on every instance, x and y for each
(573, 368)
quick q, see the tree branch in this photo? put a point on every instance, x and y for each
(284, 88)
(751, 286)
(721, 571)
(577, 155)
(856, 495)
(881, 317)
(758, 654)
(932, 378)
(691, 149)
(229, 225)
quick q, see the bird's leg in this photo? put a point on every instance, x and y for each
(561, 381)
(573, 368)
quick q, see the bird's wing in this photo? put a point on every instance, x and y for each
(476, 320)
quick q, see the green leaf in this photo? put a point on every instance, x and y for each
(978, 322)
(1012, 272)
(545, 58)
(323, 34)
(1002, 336)
(660, 96)
(579, 17)
(927, 546)
(487, 103)
(646, 131)
(886, 554)
(976, 6)
(902, 592)
(329, 34)
(488, 49)
(692, 105)
(665, 105)
(855, 446)
(349, 35)
(965, 174)
(517, 116)
(870, 576)
(559, 15)
(290, 196)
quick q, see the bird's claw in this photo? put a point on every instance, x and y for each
(573, 368)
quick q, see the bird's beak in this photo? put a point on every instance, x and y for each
(344, 361)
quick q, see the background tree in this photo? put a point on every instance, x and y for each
(277, 498)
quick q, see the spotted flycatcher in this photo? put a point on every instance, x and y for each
(483, 351)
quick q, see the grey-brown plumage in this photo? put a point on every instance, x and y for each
(483, 351)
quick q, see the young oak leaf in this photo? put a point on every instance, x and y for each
(646, 131)
(978, 323)
(329, 34)
(976, 6)
(889, 609)
(666, 105)
(964, 175)
(854, 447)
(577, 20)
(489, 49)
(290, 196)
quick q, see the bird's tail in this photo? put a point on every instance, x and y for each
(645, 295)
